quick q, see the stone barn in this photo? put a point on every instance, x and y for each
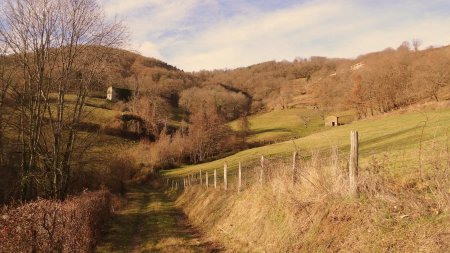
(332, 121)
(115, 94)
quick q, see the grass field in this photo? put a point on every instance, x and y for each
(398, 135)
(286, 124)
(282, 124)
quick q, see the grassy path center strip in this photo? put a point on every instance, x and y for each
(152, 223)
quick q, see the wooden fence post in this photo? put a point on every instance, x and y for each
(225, 182)
(239, 177)
(206, 178)
(353, 166)
(261, 173)
(215, 178)
(294, 168)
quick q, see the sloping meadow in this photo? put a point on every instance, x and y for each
(408, 213)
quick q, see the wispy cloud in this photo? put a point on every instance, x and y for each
(209, 34)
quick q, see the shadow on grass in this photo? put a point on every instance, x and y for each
(152, 223)
(269, 130)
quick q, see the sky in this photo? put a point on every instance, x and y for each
(198, 35)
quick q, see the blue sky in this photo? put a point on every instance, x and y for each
(218, 34)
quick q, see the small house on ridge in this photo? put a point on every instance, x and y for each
(115, 94)
(332, 121)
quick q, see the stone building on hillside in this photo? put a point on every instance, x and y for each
(332, 121)
(115, 94)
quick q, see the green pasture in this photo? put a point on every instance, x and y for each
(397, 135)
(287, 124)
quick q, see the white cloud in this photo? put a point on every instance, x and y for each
(196, 34)
(150, 18)
(114, 7)
(147, 48)
(337, 29)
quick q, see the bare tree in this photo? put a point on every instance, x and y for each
(153, 109)
(405, 46)
(432, 74)
(207, 134)
(6, 83)
(305, 119)
(244, 128)
(416, 43)
(60, 47)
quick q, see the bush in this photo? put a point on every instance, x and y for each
(55, 226)
(118, 170)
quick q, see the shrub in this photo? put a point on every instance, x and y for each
(54, 226)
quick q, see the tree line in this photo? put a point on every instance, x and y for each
(49, 50)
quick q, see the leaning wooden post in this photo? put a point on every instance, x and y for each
(201, 181)
(206, 179)
(225, 182)
(176, 185)
(294, 168)
(215, 178)
(353, 166)
(239, 177)
(261, 173)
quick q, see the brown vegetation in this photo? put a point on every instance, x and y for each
(53, 226)
(50, 47)
(388, 81)
(204, 138)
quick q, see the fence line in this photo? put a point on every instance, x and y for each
(353, 166)
(225, 182)
(240, 177)
(215, 179)
(264, 170)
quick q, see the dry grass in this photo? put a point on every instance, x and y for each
(392, 214)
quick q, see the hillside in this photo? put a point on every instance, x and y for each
(403, 189)
(329, 85)
(179, 125)
(315, 82)
(398, 135)
(326, 82)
